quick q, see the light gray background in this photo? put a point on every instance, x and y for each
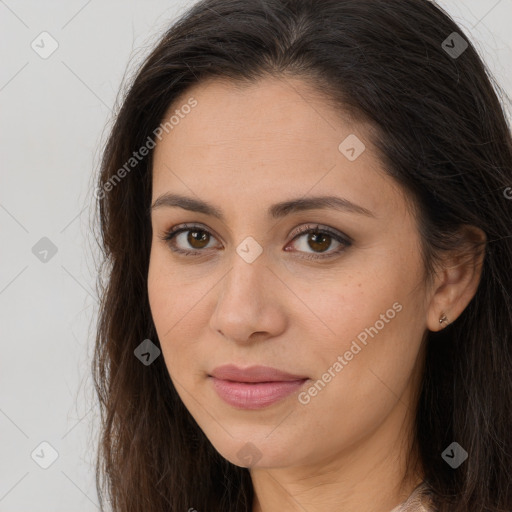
(54, 116)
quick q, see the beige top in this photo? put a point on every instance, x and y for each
(420, 500)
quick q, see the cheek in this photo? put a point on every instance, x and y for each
(170, 293)
(372, 321)
(348, 303)
(166, 300)
(160, 285)
(359, 375)
(177, 302)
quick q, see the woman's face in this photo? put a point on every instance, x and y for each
(343, 310)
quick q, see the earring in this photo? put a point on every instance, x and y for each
(443, 319)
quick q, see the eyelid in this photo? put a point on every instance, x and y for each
(344, 240)
(323, 229)
(169, 234)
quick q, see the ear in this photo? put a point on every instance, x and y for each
(457, 278)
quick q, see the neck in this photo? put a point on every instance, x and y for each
(368, 476)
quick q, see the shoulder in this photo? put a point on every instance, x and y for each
(420, 500)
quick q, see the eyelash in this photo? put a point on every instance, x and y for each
(345, 241)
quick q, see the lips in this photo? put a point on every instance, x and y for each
(254, 374)
(255, 387)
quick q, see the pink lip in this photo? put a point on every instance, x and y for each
(254, 387)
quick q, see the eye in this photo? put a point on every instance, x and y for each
(193, 239)
(197, 238)
(320, 240)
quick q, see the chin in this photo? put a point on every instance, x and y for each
(257, 451)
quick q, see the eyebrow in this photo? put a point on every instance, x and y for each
(275, 211)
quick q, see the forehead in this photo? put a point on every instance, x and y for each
(283, 111)
(265, 138)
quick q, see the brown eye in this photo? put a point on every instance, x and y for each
(313, 240)
(198, 239)
(191, 240)
(188, 240)
(319, 241)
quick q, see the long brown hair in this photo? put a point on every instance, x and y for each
(441, 132)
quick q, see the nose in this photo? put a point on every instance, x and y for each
(249, 302)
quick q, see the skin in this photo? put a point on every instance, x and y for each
(243, 149)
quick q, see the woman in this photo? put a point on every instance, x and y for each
(305, 217)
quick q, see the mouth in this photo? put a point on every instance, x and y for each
(254, 387)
